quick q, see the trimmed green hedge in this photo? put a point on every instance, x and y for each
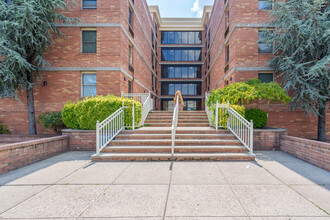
(84, 114)
(258, 117)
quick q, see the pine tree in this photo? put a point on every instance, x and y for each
(26, 30)
(301, 38)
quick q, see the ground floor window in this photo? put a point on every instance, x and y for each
(88, 84)
(266, 77)
(189, 105)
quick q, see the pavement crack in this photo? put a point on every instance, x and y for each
(169, 188)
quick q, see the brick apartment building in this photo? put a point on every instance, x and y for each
(126, 46)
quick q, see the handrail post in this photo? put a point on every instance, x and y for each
(216, 116)
(133, 126)
(97, 137)
(251, 136)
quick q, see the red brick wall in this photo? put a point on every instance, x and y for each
(12, 138)
(13, 156)
(112, 51)
(314, 152)
(267, 139)
(82, 140)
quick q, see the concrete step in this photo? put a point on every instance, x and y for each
(202, 117)
(179, 124)
(187, 130)
(125, 136)
(178, 142)
(177, 149)
(203, 113)
(150, 121)
(177, 156)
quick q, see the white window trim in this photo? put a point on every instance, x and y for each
(82, 85)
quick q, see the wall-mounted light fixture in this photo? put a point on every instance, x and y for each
(124, 78)
(45, 83)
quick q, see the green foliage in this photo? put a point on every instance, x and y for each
(68, 115)
(4, 129)
(258, 117)
(52, 120)
(302, 54)
(223, 115)
(254, 89)
(85, 113)
(26, 31)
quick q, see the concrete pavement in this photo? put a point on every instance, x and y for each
(70, 186)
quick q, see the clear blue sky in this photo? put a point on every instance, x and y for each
(181, 8)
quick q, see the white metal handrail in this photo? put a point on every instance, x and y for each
(146, 108)
(140, 97)
(208, 111)
(174, 124)
(107, 130)
(237, 124)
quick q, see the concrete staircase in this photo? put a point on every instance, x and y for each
(195, 140)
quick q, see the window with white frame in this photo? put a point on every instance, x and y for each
(263, 46)
(88, 86)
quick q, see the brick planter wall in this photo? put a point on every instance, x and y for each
(84, 140)
(268, 139)
(13, 156)
(314, 152)
(15, 138)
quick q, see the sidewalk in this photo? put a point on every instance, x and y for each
(70, 186)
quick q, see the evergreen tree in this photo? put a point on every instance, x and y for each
(26, 30)
(301, 38)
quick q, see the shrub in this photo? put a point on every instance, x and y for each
(258, 117)
(254, 89)
(223, 115)
(84, 114)
(4, 129)
(52, 120)
(69, 117)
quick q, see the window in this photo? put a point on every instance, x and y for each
(180, 54)
(227, 18)
(265, 5)
(130, 17)
(152, 38)
(164, 37)
(169, 88)
(89, 4)
(264, 47)
(88, 84)
(177, 37)
(266, 77)
(130, 54)
(152, 80)
(129, 86)
(89, 41)
(181, 37)
(156, 29)
(227, 54)
(181, 71)
(189, 105)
